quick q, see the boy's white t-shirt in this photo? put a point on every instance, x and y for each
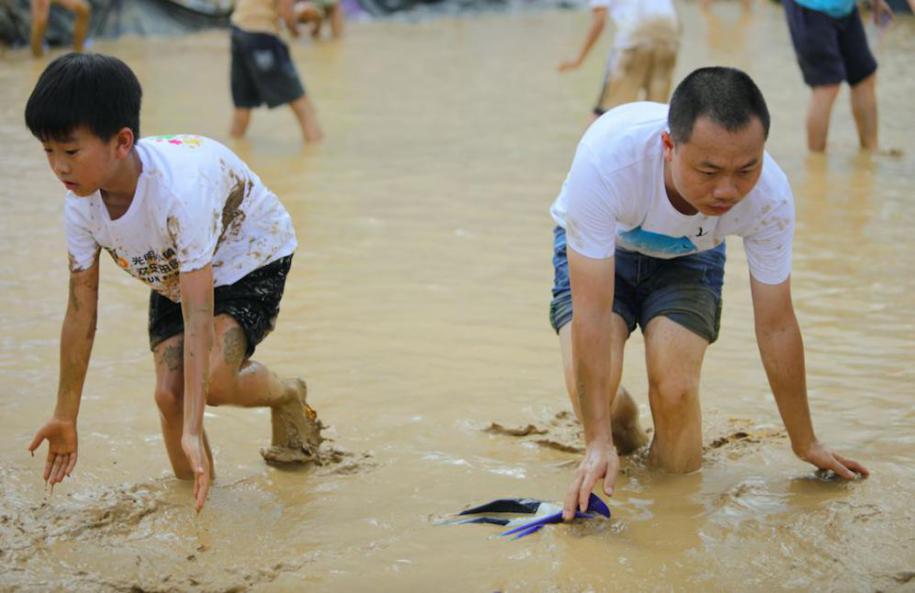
(196, 203)
(629, 15)
(614, 196)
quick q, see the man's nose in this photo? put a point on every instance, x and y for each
(726, 190)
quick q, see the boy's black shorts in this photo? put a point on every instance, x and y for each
(829, 50)
(262, 71)
(253, 301)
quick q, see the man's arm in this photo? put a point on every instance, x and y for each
(76, 338)
(782, 350)
(197, 309)
(286, 9)
(598, 18)
(592, 283)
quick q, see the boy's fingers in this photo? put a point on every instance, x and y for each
(853, 465)
(59, 464)
(49, 465)
(36, 442)
(72, 463)
(62, 468)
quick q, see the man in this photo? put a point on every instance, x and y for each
(831, 48)
(650, 197)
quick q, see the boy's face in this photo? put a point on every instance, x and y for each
(717, 168)
(83, 162)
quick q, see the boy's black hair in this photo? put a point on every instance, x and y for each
(727, 96)
(92, 90)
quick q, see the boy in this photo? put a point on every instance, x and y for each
(262, 70)
(641, 221)
(41, 9)
(316, 12)
(644, 50)
(184, 215)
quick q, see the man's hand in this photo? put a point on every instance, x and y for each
(61, 437)
(827, 459)
(195, 450)
(567, 65)
(601, 461)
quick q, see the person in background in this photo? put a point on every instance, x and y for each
(262, 70)
(831, 48)
(644, 50)
(315, 12)
(41, 9)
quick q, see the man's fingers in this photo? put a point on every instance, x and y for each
(201, 487)
(584, 493)
(568, 509)
(609, 482)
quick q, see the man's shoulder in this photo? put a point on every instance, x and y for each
(627, 135)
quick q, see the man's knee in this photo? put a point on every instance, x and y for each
(673, 394)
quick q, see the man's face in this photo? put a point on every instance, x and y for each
(83, 161)
(717, 168)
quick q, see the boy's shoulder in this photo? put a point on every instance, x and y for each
(183, 157)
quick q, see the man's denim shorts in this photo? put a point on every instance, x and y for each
(686, 289)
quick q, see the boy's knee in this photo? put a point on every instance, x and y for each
(169, 400)
(218, 393)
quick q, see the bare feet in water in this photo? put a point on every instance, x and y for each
(296, 429)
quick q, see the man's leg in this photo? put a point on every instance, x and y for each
(305, 113)
(624, 413)
(240, 119)
(818, 114)
(169, 361)
(864, 107)
(40, 10)
(674, 359)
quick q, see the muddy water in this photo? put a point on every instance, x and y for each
(417, 311)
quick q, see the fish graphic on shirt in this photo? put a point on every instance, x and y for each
(638, 239)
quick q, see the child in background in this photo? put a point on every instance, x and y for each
(188, 218)
(644, 50)
(41, 10)
(262, 69)
(315, 12)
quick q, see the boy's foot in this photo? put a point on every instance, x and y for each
(628, 435)
(296, 429)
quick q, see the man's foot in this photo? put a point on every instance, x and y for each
(296, 429)
(628, 435)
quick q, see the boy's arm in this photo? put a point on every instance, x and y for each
(76, 338)
(286, 8)
(598, 18)
(782, 350)
(197, 309)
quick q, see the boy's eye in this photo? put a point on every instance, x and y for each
(71, 152)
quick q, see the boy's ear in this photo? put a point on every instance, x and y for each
(124, 141)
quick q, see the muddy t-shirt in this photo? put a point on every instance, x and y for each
(634, 19)
(614, 196)
(196, 203)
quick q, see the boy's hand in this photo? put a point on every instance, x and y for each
(195, 450)
(827, 459)
(61, 437)
(567, 65)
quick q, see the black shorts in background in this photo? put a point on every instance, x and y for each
(262, 71)
(253, 301)
(829, 50)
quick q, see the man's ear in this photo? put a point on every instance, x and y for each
(669, 146)
(124, 142)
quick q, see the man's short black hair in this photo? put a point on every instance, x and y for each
(727, 96)
(92, 90)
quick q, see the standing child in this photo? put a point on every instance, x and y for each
(262, 70)
(644, 50)
(41, 11)
(185, 216)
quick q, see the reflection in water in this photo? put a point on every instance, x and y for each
(416, 309)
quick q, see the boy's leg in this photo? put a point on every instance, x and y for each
(335, 14)
(305, 114)
(864, 108)
(624, 413)
(40, 10)
(82, 11)
(241, 117)
(662, 70)
(818, 114)
(169, 362)
(674, 359)
(238, 381)
(308, 12)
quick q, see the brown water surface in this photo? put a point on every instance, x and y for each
(417, 311)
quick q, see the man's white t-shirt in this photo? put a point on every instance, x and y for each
(196, 203)
(630, 15)
(614, 196)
